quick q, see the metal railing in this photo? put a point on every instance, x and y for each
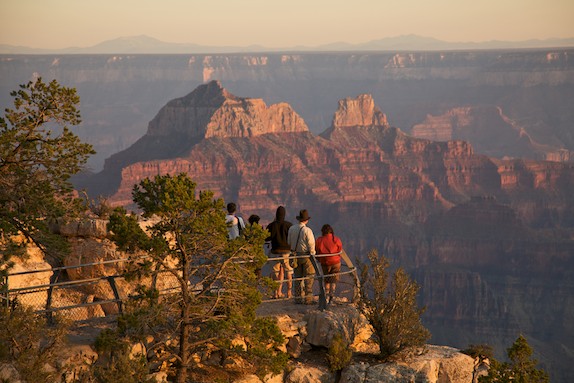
(41, 296)
(46, 297)
(346, 263)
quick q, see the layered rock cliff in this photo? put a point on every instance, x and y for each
(120, 94)
(490, 241)
(490, 131)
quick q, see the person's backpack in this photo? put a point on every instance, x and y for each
(240, 225)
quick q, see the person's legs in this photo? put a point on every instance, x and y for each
(309, 272)
(288, 274)
(298, 273)
(333, 279)
(279, 292)
(277, 276)
(325, 269)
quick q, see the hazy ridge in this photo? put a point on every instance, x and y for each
(148, 45)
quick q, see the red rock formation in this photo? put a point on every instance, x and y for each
(411, 198)
(211, 111)
(261, 156)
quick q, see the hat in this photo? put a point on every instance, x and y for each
(303, 215)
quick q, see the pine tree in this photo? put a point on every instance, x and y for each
(520, 369)
(29, 345)
(214, 298)
(38, 155)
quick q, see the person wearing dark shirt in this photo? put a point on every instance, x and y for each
(280, 248)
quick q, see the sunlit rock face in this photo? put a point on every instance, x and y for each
(211, 111)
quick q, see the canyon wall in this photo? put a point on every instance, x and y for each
(120, 94)
(490, 241)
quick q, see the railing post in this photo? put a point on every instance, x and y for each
(321, 279)
(349, 263)
(112, 282)
(53, 279)
(5, 290)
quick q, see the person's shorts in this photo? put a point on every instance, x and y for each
(332, 269)
(283, 263)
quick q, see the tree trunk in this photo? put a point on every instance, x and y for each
(185, 327)
(183, 348)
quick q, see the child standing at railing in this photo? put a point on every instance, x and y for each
(328, 243)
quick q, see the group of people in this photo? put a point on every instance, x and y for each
(293, 245)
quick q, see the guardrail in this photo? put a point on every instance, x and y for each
(346, 263)
(41, 296)
(45, 297)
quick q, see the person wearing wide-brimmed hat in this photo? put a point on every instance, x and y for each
(302, 242)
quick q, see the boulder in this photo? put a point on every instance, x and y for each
(85, 227)
(8, 373)
(322, 326)
(439, 364)
(310, 374)
(442, 364)
(249, 379)
(33, 261)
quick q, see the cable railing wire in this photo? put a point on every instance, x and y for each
(43, 296)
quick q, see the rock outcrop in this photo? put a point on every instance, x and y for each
(433, 364)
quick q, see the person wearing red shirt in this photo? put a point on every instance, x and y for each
(328, 243)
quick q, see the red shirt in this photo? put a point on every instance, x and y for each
(329, 244)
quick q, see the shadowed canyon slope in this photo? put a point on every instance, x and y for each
(490, 241)
(120, 94)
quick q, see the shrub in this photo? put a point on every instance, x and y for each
(339, 354)
(29, 344)
(520, 369)
(390, 307)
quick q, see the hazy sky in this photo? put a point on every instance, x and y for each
(64, 23)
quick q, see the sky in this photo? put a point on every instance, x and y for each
(56, 24)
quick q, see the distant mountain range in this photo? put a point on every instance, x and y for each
(149, 45)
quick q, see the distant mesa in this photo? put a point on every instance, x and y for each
(243, 149)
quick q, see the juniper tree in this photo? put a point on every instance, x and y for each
(520, 369)
(215, 294)
(390, 306)
(38, 155)
(29, 345)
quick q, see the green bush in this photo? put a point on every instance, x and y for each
(29, 344)
(390, 307)
(339, 355)
(520, 369)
